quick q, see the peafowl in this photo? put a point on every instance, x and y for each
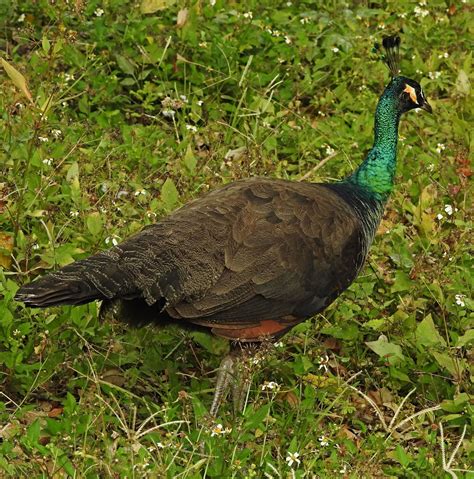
(252, 259)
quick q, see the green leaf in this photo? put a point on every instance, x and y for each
(454, 367)
(45, 44)
(17, 78)
(402, 457)
(402, 282)
(427, 334)
(169, 194)
(125, 64)
(94, 223)
(257, 417)
(189, 160)
(391, 352)
(152, 6)
(465, 339)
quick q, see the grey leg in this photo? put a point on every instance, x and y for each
(224, 377)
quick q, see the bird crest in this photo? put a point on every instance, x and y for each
(392, 54)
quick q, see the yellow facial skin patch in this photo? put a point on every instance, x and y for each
(411, 91)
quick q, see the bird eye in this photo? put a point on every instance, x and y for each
(411, 91)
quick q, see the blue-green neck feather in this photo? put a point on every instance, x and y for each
(375, 175)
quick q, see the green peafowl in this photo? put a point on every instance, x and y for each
(252, 259)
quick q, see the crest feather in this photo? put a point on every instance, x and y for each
(392, 53)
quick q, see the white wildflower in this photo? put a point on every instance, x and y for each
(68, 77)
(279, 344)
(64, 103)
(443, 55)
(17, 332)
(289, 4)
(329, 150)
(151, 214)
(200, 102)
(184, 98)
(439, 216)
(304, 20)
(43, 139)
(112, 239)
(321, 113)
(270, 386)
(344, 469)
(36, 246)
(98, 12)
(191, 128)
(420, 12)
(431, 167)
(74, 213)
(218, 430)
(324, 441)
(287, 39)
(440, 147)
(167, 113)
(48, 161)
(335, 49)
(434, 75)
(56, 133)
(203, 44)
(323, 362)
(21, 18)
(212, 2)
(141, 192)
(448, 209)
(248, 14)
(460, 300)
(418, 71)
(402, 15)
(293, 458)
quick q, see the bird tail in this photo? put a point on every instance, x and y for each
(96, 277)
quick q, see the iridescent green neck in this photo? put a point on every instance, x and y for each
(377, 171)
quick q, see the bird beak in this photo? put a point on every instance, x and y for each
(427, 107)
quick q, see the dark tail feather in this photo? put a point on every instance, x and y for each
(96, 277)
(53, 290)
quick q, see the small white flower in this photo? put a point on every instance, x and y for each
(287, 39)
(151, 214)
(74, 213)
(323, 362)
(184, 98)
(382, 26)
(17, 332)
(112, 239)
(439, 216)
(191, 128)
(324, 441)
(440, 147)
(304, 20)
(329, 150)
(279, 344)
(64, 103)
(320, 113)
(460, 300)
(419, 72)
(293, 458)
(203, 44)
(36, 246)
(218, 430)
(56, 133)
(335, 49)
(48, 161)
(200, 102)
(167, 113)
(270, 386)
(343, 470)
(212, 2)
(21, 18)
(448, 209)
(248, 14)
(434, 75)
(98, 12)
(431, 167)
(420, 12)
(43, 139)
(141, 192)
(289, 4)
(443, 55)
(68, 77)
(402, 15)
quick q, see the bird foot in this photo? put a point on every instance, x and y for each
(234, 374)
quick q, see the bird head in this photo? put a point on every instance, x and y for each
(408, 92)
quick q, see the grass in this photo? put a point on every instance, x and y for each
(132, 115)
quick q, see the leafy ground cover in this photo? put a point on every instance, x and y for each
(112, 117)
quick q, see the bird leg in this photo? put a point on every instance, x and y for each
(234, 371)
